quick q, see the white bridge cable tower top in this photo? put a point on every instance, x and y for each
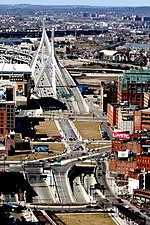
(46, 61)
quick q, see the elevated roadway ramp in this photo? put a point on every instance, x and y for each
(39, 185)
(79, 101)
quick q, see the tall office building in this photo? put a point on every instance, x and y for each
(108, 94)
(7, 116)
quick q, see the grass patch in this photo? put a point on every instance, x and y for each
(89, 129)
(54, 146)
(29, 157)
(57, 148)
(86, 219)
(47, 127)
(91, 146)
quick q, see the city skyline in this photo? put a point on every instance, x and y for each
(78, 2)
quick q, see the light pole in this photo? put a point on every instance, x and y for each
(4, 162)
(4, 165)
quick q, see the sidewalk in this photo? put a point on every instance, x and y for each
(117, 219)
(115, 189)
(111, 181)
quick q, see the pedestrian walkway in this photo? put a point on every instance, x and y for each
(110, 177)
(117, 219)
(115, 189)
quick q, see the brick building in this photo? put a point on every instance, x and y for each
(142, 119)
(122, 167)
(146, 99)
(112, 114)
(120, 116)
(108, 94)
(143, 162)
(7, 117)
(132, 86)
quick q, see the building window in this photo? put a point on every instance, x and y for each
(1, 130)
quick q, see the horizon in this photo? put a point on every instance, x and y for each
(102, 3)
(134, 6)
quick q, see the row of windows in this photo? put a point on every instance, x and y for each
(120, 172)
(143, 165)
(146, 114)
(143, 160)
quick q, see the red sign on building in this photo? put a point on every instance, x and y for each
(121, 135)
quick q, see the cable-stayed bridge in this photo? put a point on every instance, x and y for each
(52, 79)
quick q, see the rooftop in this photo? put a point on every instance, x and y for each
(109, 52)
(139, 71)
(7, 67)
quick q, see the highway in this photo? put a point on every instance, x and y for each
(13, 53)
(111, 199)
(79, 192)
(69, 133)
(63, 187)
(35, 178)
(64, 86)
(78, 101)
(51, 78)
(64, 193)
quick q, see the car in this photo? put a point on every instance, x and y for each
(90, 206)
(105, 138)
(104, 135)
(51, 160)
(96, 207)
(106, 200)
(127, 206)
(137, 213)
(119, 200)
(83, 154)
(71, 139)
(63, 158)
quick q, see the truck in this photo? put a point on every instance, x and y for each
(55, 137)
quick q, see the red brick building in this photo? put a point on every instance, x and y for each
(112, 114)
(142, 119)
(146, 99)
(122, 167)
(143, 162)
(118, 145)
(3, 122)
(108, 94)
(132, 86)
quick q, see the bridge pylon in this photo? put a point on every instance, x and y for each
(44, 62)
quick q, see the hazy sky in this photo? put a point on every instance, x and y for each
(81, 2)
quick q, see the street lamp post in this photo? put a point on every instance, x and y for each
(4, 165)
(4, 162)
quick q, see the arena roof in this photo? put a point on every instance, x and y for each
(15, 68)
(109, 52)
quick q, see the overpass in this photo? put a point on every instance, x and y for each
(59, 33)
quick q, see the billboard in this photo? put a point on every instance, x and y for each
(123, 154)
(40, 148)
(121, 135)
